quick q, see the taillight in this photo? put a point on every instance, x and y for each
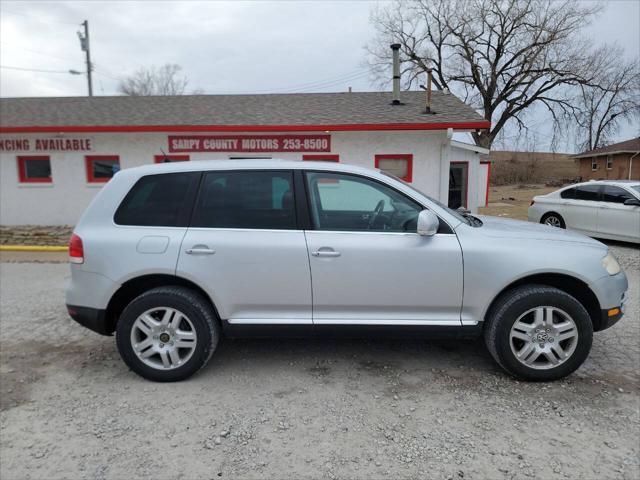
(76, 251)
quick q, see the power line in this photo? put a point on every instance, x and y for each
(33, 69)
(3, 11)
(320, 83)
(46, 54)
(330, 84)
(327, 82)
(101, 73)
(67, 59)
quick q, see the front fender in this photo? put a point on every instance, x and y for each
(493, 264)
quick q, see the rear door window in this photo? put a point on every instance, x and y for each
(246, 199)
(613, 194)
(159, 201)
(568, 193)
(588, 192)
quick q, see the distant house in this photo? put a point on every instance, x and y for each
(620, 161)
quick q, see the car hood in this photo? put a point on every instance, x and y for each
(508, 228)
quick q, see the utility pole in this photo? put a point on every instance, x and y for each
(84, 46)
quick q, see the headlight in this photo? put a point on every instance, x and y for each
(610, 264)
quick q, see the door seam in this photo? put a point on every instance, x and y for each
(310, 274)
(175, 269)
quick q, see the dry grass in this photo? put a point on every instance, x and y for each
(511, 168)
(512, 201)
(517, 177)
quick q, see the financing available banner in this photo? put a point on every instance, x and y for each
(58, 144)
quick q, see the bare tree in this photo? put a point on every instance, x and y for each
(603, 106)
(503, 57)
(164, 80)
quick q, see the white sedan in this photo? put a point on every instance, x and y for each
(604, 209)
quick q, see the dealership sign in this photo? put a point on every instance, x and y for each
(249, 143)
(45, 144)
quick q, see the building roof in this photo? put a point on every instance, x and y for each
(272, 112)
(628, 146)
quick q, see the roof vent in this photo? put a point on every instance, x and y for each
(395, 48)
(427, 109)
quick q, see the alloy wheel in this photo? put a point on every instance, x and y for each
(553, 221)
(543, 337)
(163, 338)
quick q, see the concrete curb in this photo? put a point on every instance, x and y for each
(32, 248)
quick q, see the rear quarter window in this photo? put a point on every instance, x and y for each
(163, 200)
(568, 193)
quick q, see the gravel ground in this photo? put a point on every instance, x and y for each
(69, 408)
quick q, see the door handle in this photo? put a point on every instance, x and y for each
(325, 253)
(200, 251)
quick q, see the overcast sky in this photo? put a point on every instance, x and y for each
(223, 47)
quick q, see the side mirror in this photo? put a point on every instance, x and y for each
(634, 202)
(428, 223)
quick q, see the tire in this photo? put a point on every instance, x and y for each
(522, 305)
(158, 323)
(553, 219)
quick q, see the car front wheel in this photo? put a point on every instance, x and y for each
(167, 333)
(539, 333)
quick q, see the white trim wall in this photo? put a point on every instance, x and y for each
(62, 201)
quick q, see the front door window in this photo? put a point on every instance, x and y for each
(350, 203)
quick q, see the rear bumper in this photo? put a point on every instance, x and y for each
(92, 318)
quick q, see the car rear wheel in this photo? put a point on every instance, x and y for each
(554, 220)
(538, 333)
(167, 334)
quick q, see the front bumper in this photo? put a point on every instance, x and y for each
(92, 318)
(609, 318)
(612, 293)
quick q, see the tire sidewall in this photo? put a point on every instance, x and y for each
(205, 336)
(542, 297)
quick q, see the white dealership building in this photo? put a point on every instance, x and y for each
(56, 153)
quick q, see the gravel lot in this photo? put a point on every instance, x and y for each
(69, 408)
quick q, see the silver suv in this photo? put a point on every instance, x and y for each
(172, 257)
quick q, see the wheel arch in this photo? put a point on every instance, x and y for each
(138, 285)
(571, 285)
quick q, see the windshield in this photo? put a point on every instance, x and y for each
(636, 188)
(453, 212)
